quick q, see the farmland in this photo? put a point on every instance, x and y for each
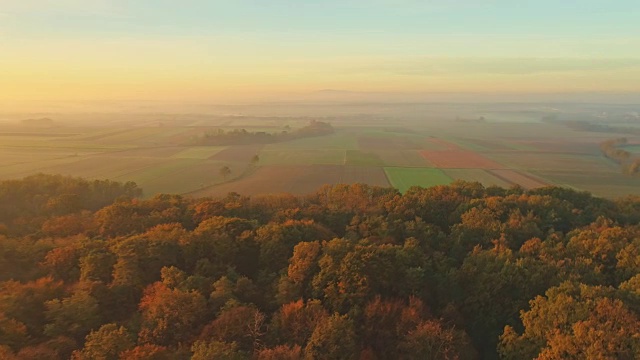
(158, 153)
(482, 176)
(297, 179)
(459, 159)
(405, 178)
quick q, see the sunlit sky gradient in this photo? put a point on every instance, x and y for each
(214, 50)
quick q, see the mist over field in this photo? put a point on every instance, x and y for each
(399, 143)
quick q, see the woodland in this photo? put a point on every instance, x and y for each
(243, 137)
(90, 270)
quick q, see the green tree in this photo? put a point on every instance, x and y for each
(105, 343)
(74, 316)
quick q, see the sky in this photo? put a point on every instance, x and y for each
(224, 50)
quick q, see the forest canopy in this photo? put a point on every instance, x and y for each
(89, 270)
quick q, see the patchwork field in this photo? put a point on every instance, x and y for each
(403, 158)
(550, 161)
(566, 147)
(599, 183)
(160, 155)
(303, 157)
(404, 178)
(297, 179)
(338, 141)
(516, 177)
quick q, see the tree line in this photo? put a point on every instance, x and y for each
(348, 272)
(220, 137)
(610, 149)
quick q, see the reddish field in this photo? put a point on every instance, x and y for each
(297, 179)
(459, 159)
(527, 181)
(241, 153)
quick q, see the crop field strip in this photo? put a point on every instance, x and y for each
(460, 159)
(303, 157)
(153, 152)
(297, 179)
(357, 157)
(525, 180)
(567, 147)
(166, 168)
(482, 176)
(490, 145)
(181, 180)
(238, 153)
(366, 143)
(105, 166)
(102, 133)
(403, 158)
(20, 170)
(443, 145)
(551, 161)
(198, 152)
(600, 183)
(338, 141)
(143, 136)
(404, 178)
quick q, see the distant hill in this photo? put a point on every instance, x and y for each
(38, 122)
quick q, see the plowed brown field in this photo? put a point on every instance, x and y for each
(459, 159)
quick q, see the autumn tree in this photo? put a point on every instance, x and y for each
(333, 338)
(105, 343)
(170, 316)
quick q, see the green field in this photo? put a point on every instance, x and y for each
(404, 178)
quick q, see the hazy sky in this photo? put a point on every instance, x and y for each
(217, 50)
